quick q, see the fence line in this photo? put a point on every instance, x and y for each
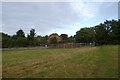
(70, 45)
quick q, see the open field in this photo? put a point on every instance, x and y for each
(81, 62)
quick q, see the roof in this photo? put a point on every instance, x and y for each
(54, 35)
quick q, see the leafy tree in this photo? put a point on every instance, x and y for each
(20, 33)
(5, 40)
(85, 35)
(115, 34)
(64, 38)
(118, 32)
(53, 40)
(108, 27)
(71, 39)
(21, 42)
(100, 36)
(32, 32)
(31, 38)
(38, 40)
(107, 32)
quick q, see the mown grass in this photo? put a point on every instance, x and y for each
(84, 62)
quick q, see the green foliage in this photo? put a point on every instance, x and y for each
(31, 38)
(100, 35)
(6, 39)
(19, 39)
(108, 32)
(21, 42)
(20, 33)
(43, 40)
(53, 40)
(71, 39)
(104, 33)
(32, 32)
(65, 38)
(115, 34)
(85, 35)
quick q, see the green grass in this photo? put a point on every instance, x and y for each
(84, 62)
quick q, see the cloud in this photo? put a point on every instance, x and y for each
(49, 17)
(84, 9)
(45, 16)
(59, 0)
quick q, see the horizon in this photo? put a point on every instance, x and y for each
(52, 32)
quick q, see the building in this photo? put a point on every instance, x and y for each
(59, 39)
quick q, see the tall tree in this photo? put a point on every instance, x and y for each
(6, 40)
(99, 36)
(115, 34)
(64, 38)
(21, 42)
(31, 38)
(19, 39)
(20, 33)
(108, 32)
(71, 39)
(85, 35)
(32, 32)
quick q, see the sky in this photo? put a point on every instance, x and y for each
(55, 17)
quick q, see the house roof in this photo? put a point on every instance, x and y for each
(54, 35)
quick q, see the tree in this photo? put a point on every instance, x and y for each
(64, 38)
(118, 32)
(21, 42)
(20, 33)
(71, 39)
(108, 27)
(100, 35)
(32, 32)
(6, 40)
(53, 40)
(41, 40)
(85, 35)
(108, 32)
(115, 34)
(103, 32)
(31, 38)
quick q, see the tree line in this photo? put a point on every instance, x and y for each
(102, 34)
(105, 33)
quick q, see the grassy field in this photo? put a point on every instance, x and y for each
(84, 62)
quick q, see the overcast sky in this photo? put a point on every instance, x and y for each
(59, 17)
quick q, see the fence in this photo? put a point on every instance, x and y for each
(70, 45)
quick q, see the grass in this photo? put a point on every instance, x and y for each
(84, 62)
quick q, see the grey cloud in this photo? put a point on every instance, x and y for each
(47, 17)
